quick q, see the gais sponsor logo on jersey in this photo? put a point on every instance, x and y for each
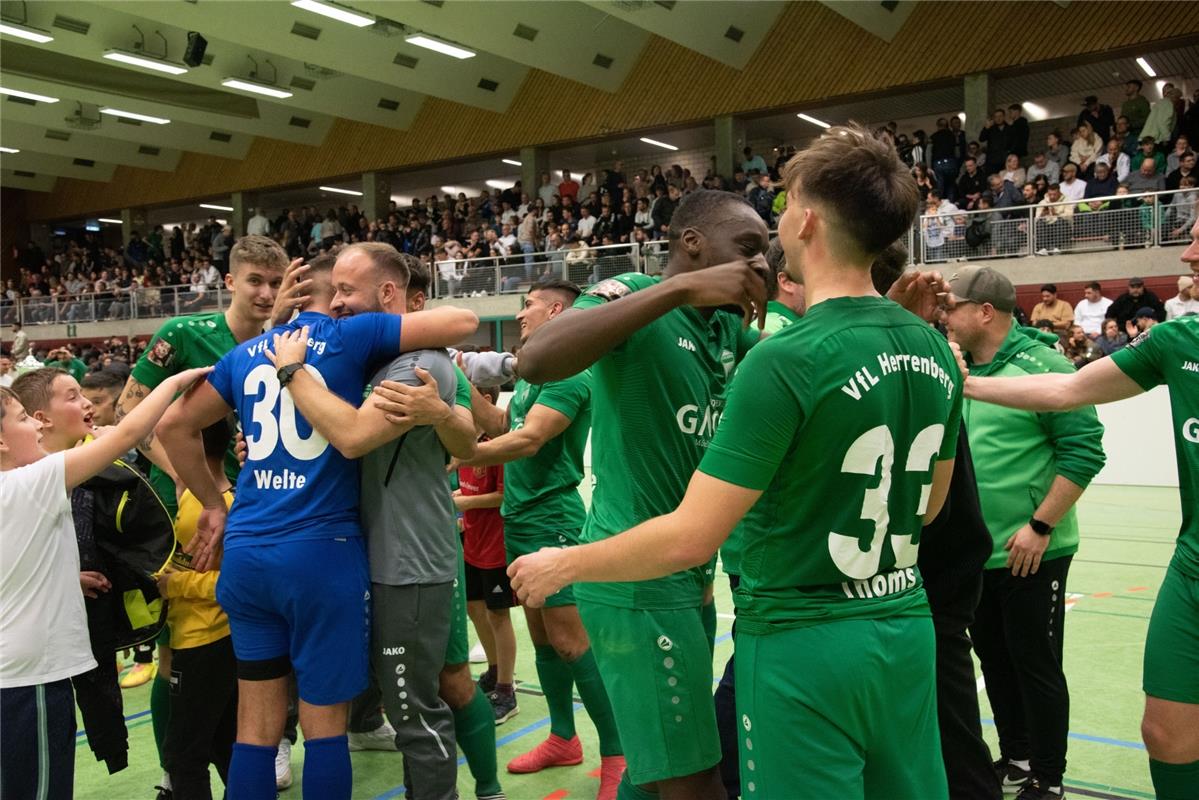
(1190, 430)
(699, 423)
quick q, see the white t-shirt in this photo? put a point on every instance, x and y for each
(1073, 190)
(1180, 308)
(43, 623)
(1090, 315)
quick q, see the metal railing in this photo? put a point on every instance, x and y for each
(1115, 222)
(115, 304)
(513, 274)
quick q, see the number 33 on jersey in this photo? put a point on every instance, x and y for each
(839, 420)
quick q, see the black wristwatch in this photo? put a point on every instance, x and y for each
(287, 372)
(1043, 528)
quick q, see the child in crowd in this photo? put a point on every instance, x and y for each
(43, 624)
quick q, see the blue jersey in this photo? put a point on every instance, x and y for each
(294, 485)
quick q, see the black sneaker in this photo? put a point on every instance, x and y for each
(164, 794)
(1035, 790)
(1011, 777)
(487, 682)
(504, 705)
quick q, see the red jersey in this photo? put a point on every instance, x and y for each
(482, 528)
(569, 189)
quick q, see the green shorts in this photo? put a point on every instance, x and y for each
(657, 669)
(845, 709)
(1172, 645)
(522, 543)
(457, 649)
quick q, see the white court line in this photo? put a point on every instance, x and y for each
(1071, 599)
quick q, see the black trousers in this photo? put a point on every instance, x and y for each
(967, 758)
(726, 721)
(1018, 631)
(37, 750)
(203, 721)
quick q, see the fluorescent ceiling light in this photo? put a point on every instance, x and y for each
(1035, 111)
(511, 161)
(962, 116)
(339, 13)
(495, 183)
(9, 150)
(818, 122)
(656, 143)
(335, 190)
(255, 87)
(457, 189)
(110, 221)
(445, 48)
(1145, 66)
(25, 32)
(41, 98)
(147, 62)
(215, 207)
(116, 112)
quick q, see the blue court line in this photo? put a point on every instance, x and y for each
(127, 719)
(1086, 737)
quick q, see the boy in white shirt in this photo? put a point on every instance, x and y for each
(1092, 309)
(43, 624)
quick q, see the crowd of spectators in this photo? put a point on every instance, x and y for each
(607, 222)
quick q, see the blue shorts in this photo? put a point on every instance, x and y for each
(308, 601)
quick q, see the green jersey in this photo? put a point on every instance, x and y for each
(779, 316)
(462, 393)
(1169, 353)
(76, 367)
(182, 343)
(838, 420)
(656, 400)
(541, 492)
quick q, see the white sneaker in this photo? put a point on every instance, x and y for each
(283, 765)
(381, 738)
(478, 655)
(1042, 252)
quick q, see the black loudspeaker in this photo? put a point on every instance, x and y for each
(193, 56)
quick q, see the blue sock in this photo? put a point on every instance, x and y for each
(252, 772)
(327, 768)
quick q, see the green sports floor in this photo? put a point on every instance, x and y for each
(1128, 537)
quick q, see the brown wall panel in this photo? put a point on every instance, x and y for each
(811, 54)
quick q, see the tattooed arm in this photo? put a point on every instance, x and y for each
(134, 393)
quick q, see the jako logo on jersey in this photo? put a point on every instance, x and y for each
(1190, 430)
(686, 344)
(692, 422)
(1190, 366)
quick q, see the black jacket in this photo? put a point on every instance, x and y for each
(1125, 307)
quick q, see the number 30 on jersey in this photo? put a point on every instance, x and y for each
(267, 430)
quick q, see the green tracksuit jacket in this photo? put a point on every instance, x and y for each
(1017, 454)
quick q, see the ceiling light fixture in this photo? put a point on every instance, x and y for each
(334, 11)
(496, 183)
(9, 150)
(335, 190)
(116, 112)
(1036, 112)
(818, 122)
(247, 85)
(511, 161)
(456, 189)
(110, 221)
(25, 32)
(215, 207)
(437, 45)
(146, 62)
(41, 98)
(1143, 64)
(656, 143)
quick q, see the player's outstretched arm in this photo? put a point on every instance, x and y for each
(433, 328)
(354, 432)
(577, 338)
(1098, 382)
(542, 423)
(686, 537)
(83, 462)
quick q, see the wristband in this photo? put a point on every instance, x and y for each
(1042, 528)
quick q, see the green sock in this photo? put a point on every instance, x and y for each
(474, 728)
(707, 615)
(160, 712)
(1175, 781)
(557, 684)
(595, 700)
(627, 791)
